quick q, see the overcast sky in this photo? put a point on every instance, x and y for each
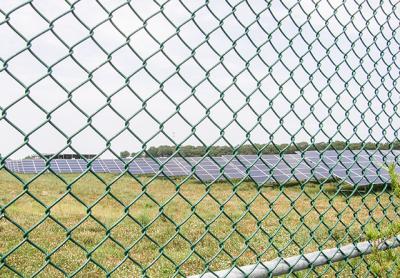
(257, 70)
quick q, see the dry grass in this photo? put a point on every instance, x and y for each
(118, 223)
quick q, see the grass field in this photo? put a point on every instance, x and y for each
(121, 224)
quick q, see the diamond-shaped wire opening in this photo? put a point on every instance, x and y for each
(177, 249)
(103, 117)
(107, 79)
(26, 259)
(91, 268)
(15, 115)
(48, 93)
(89, 54)
(11, 235)
(8, 34)
(192, 72)
(147, 46)
(69, 74)
(17, 210)
(152, 126)
(51, 10)
(98, 141)
(69, 257)
(143, 85)
(127, 231)
(120, 16)
(69, 29)
(163, 265)
(47, 194)
(90, 12)
(10, 187)
(161, 229)
(69, 211)
(84, 94)
(48, 235)
(107, 210)
(160, 66)
(27, 21)
(108, 254)
(206, 248)
(164, 106)
(126, 60)
(88, 189)
(144, 251)
(42, 45)
(17, 66)
(49, 270)
(109, 37)
(127, 268)
(126, 102)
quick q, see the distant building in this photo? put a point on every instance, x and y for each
(69, 156)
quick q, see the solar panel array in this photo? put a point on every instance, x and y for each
(273, 168)
(353, 167)
(202, 168)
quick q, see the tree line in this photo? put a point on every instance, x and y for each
(255, 149)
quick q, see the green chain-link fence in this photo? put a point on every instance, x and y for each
(273, 80)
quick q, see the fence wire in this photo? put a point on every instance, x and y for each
(292, 107)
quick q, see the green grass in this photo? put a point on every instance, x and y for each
(120, 224)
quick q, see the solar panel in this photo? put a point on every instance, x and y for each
(357, 167)
(98, 165)
(26, 166)
(9, 165)
(207, 168)
(19, 167)
(141, 165)
(231, 170)
(204, 168)
(76, 165)
(138, 166)
(174, 167)
(273, 168)
(60, 166)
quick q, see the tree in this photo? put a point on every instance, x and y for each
(124, 154)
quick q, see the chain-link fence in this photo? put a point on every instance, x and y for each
(177, 138)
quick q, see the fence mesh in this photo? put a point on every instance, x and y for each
(288, 103)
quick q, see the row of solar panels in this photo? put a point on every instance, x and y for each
(354, 167)
(274, 168)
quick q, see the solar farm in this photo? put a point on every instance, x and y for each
(354, 167)
(123, 217)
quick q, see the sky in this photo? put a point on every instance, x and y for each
(110, 75)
